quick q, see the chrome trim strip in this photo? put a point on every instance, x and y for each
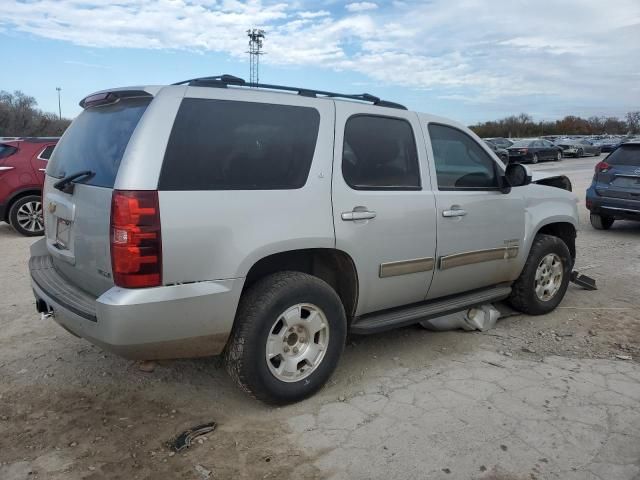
(404, 267)
(631, 210)
(5, 168)
(478, 256)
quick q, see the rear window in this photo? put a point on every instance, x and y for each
(7, 150)
(625, 155)
(522, 143)
(96, 141)
(228, 145)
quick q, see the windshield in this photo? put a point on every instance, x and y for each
(96, 141)
(521, 143)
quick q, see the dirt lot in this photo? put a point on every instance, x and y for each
(541, 397)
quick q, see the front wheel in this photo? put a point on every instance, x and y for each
(579, 153)
(545, 277)
(288, 336)
(25, 216)
(601, 222)
(558, 156)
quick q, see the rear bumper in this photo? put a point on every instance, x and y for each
(178, 321)
(619, 208)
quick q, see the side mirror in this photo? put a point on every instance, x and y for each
(517, 175)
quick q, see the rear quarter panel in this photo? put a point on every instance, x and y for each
(221, 234)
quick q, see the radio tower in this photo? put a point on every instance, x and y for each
(256, 37)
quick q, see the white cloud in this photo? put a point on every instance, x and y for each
(361, 6)
(582, 51)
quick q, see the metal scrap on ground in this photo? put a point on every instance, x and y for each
(185, 439)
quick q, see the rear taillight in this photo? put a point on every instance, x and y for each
(602, 167)
(524, 150)
(136, 242)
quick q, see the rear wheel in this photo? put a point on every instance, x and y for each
(534, 159)
(545, 277)
(580, 153)
(25, 216)
(289, 335)
(601, 222)
(558, 156)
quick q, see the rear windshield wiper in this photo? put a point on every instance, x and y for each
(66, 184)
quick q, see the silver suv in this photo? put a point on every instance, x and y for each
(267, 223)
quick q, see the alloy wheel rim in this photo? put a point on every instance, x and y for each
(30, 217)
(297, 342)
(548, 277)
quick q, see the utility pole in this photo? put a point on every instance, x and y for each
(59, 106)
(256, 37)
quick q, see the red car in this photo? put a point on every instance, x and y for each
(22, 165)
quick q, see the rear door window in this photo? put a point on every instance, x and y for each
(379, 153)
(230, 145)
(96, 141)
(625, 155)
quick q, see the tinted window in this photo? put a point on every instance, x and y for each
(96, 141)
(226, 145)
(460, 161)
(7, 150)
(46, 153)
(380, 153)
(522, 143)
(625, 155)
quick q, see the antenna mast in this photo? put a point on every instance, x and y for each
(256, 38)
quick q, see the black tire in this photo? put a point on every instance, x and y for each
(601, 222)
(534, 159)
(558, 156)
(260, 306)
(523, 296)
(31, 229)
(579, 153)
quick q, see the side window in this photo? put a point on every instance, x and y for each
(379, 153)
(460, 161)
(46, 153)
(230, 145)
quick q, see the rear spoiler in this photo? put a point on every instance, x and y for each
(105, 98)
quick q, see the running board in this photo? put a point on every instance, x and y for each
(416, 312)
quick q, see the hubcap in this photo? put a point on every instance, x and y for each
(548, 277)
(297, 342)
(30, 217)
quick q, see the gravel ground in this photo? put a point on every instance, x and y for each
(534, 398)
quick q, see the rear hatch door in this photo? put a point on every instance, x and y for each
(622, 178)
(77, 218)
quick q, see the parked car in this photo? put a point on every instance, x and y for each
(265, 223)
(502, 153)
(609, 145)
(533, 151)
(615, 190)
(578, 148)
(499, 142)
(22, 165)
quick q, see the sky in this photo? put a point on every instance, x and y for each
(470, 60)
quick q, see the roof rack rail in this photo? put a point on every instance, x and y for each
(222, 81)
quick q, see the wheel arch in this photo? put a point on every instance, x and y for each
(565, 231)
(333, 266)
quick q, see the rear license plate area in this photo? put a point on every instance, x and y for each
(63, 234)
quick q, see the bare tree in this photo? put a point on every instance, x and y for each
(21, 117)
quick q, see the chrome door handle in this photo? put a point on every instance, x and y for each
(358, 215)
(454, 212)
